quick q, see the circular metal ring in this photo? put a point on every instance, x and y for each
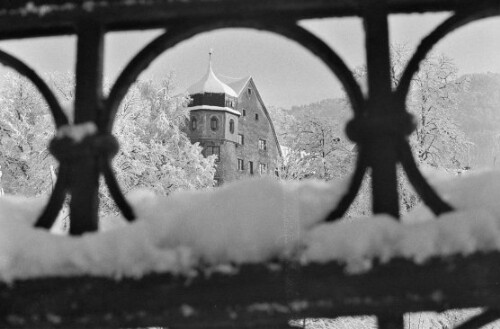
(461, 18)
(58, 114)
(175, 35)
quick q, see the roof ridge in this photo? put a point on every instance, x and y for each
(234, 78)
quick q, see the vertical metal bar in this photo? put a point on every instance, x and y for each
(381, 151)
(88, 98)
(390, 322)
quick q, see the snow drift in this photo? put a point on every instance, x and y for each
(249, 221)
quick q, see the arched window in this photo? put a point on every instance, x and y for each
(256, 116)
(231, 126)
(214, 123)
(194, 124)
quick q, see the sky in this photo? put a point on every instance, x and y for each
(285, 73)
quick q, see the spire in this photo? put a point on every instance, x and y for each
(210, 52)
(209, 83)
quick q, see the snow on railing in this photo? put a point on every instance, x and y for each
(250, 221)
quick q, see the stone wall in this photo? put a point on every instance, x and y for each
(253, 130)
(203, 130)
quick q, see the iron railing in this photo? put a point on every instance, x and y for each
(380, 127)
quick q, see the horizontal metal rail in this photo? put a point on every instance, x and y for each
(25, 18)
(255, 296)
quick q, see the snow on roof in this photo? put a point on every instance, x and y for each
(213, 107)
(237, 84)
(178, 232)
(209, 83)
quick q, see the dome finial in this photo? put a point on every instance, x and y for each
(210, 52)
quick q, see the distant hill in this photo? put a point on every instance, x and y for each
(479, 107)
(327, 108)
(478, 115)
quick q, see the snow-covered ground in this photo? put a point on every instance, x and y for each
(247, 222)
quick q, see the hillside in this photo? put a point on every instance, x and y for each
(327, 108)
(478, 115)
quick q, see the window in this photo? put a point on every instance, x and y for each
(241, 139)
(250, 164)
(256, 116)
(244, 112)
(214, 123)
(262, 168)
(277, 172)
(194, 124)
(209, 150)
(241, 165)
(229, 103)
(231, 126)
(262, 145)
(249, 91)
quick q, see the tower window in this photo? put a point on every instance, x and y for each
(231, 126)
(194, 123)
(244, 112)
(214, 123)
(262, 145)
(241, 139)
(256, 116)
(249, 91)
(241, 165)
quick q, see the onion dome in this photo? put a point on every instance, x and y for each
(209, 83)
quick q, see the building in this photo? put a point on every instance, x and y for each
(231, 121)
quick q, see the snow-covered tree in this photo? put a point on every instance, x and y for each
(314, 145)
(318, 143)
(25, 129)
(155, 152)
(438, 140)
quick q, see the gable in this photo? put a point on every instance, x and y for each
(238, 85)
(249, 83)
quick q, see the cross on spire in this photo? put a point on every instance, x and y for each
(210, 52)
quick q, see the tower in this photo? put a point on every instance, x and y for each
(231, 121)
(214, 120)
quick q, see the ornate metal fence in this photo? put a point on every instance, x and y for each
(380, 127)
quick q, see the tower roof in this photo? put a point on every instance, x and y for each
(209, 83)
